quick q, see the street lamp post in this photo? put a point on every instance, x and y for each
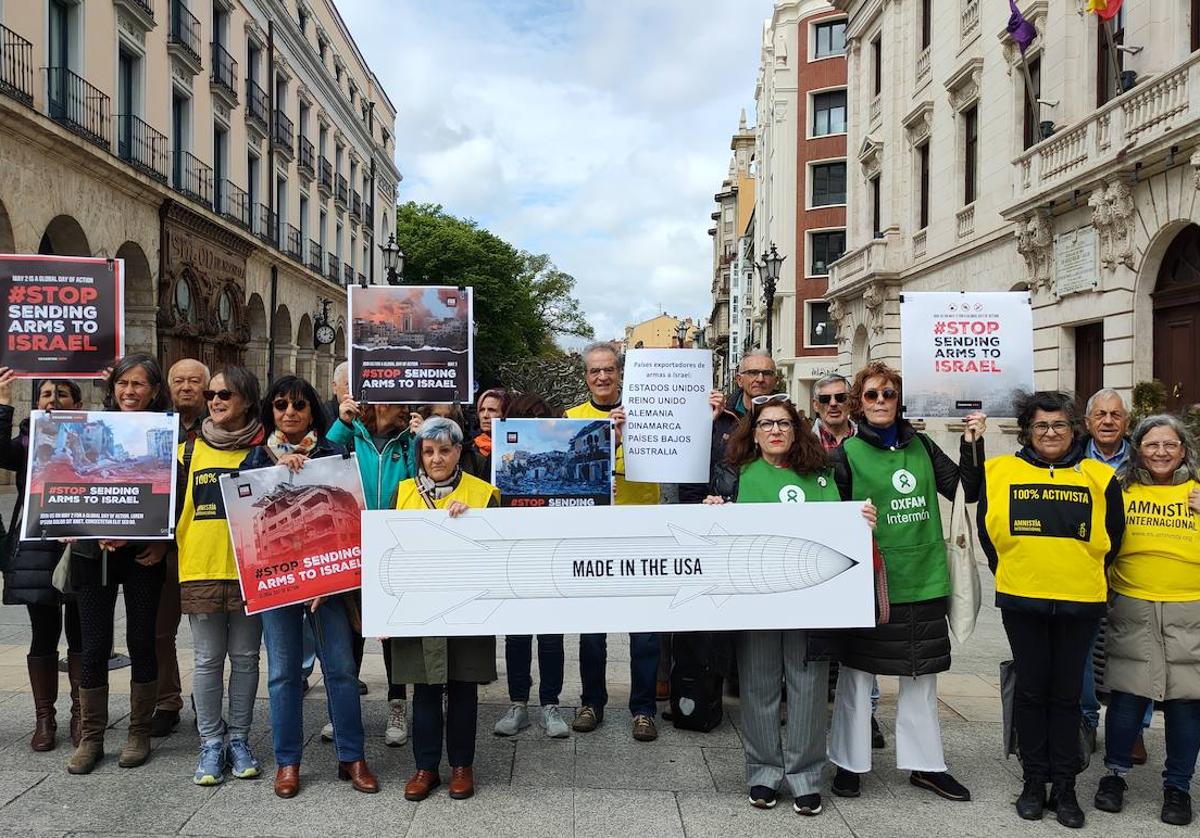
(768, 272)
(393, 261)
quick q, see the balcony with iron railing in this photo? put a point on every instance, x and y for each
(293, 243)
(355, 205)
(78, 106)
(314, 256)
(362, 278)
(325, 182)
(224, 74)
(284, 132)
(369, 215)
(332, 266)
(268, 225)
(342, 195)
(233, 203)
(256, 107)
(192, 178)
(16, 66)
(183, 35)
(142, 147)
(347, 275)
(306, 159)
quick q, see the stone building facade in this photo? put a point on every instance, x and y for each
(242, 186)
(1077, 182)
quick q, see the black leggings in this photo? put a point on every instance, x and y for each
(97, 605)
(47, 624)
(394, 690)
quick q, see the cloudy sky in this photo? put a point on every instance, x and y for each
(596, 131)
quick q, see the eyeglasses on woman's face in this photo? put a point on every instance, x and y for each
(1046, 428)
(887, 394)
(767, 425)
(223, 395)
(1165, 447)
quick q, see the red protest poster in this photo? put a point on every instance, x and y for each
(296, 536)
(63, 316)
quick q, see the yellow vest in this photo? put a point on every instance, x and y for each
(475, 493)
(205, 549)
(1159, 559)
(627, 493)
(1048, 528)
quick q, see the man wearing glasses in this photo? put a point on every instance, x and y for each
(756, 376)
(602, 365)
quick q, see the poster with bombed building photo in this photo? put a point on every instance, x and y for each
(553, 462)
(295, 536)
(100, 474)
(411, 344)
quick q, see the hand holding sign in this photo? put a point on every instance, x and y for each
(976, 425)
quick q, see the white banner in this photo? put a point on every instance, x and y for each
(668, 422)
(962, 352)
(616, 569)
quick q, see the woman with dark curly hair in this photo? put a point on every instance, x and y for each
(774, 457)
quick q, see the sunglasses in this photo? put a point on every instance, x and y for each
(826, 398)
(888, 395)
(774, 397)
(223, 395)
(282, 404)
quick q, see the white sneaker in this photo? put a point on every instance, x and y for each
(514, 721)
(327, 732)
(552, 720)
(396, 733)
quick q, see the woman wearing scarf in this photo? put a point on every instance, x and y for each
(491, 406)
(294, 421)
(209, 593)
(98, 569)
(453, 667)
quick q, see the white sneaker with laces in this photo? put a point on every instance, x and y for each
(327, 732)
(513, 722)
(396, 733)
(555, 725)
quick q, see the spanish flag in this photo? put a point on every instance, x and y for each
(1104, 9)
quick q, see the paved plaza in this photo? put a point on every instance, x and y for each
(601, 784)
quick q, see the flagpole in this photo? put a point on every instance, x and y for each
(1106, 25)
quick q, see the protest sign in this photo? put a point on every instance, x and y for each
(100, 474)
(295, 536)
(411, 344)
(553, 462)
(64, 316)
(668, 421)
(962, 352)
(616, 569)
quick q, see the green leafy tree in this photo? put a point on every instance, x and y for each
(551, 290)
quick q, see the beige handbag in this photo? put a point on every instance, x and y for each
(965, 592)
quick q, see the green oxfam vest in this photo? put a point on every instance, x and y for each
(901, 485)
(761, 482)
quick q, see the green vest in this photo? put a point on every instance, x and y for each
(901, 485)
(761, 482)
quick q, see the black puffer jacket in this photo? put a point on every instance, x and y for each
(28, 566)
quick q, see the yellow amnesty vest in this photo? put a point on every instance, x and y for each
(205, 550)
(1048, 529)
(1159, 559)
(472, 491)
(627, 493)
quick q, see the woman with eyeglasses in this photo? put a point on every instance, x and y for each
(774, 457)
(294, 422)
(209, 592)
(98, 569)
(1050, 519)
(903, 472)
(1154, 614)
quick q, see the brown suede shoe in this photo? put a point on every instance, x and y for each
(287, 781)
(421, 784)
(359, 775)
(462, 782)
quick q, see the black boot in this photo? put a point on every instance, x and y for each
(1066, 805)
(1032, 802)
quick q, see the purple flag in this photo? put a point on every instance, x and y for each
(1019, 28)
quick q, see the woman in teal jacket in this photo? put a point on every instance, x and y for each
(379, 435)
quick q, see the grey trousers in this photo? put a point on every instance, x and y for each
(795, 757)
(215, 637)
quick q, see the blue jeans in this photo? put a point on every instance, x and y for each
(643, 671)
(283, 631)
(1123, 723)
(310, 648)
(518, 657)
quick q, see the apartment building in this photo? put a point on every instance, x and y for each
(237, 154)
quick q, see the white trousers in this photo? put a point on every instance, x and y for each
(918, 731)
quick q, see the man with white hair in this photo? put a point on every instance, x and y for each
(340, 385)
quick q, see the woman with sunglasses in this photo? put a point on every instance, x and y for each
(1154, 615)
(902, 472)
(209, 592)
(98, 569)
(774, 457)
(1050, 519)
(294, 421)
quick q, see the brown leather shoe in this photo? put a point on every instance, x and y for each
(359, 776)
(421, 784)
(1138, 751)
(287, 781)
(462, 782)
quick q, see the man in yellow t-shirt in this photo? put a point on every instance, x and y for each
(602, 363)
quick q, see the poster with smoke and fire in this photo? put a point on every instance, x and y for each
(295, 536)
(411, 344)
(100, 474)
